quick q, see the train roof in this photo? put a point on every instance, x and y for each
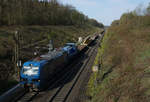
(29, 63)
(52, 54)
(45, 58)
(70, 43)
(66, 48)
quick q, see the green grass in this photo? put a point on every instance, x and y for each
(96, 77)
(125, 61)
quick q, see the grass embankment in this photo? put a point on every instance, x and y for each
(125, 60)
(32, 34)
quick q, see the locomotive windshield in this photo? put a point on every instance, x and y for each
(30, 70)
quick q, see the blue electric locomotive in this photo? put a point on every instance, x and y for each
(37, 73)
(71, 50)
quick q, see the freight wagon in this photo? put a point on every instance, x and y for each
(36, 73)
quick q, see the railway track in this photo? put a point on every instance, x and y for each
(60, 90)
(66, 94)
(32, 96)
(63, 95)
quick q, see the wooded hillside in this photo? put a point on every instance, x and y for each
(36, 21)
(41, 12)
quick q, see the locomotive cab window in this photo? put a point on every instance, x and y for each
(30, 70)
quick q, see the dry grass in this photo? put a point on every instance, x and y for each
(31, 34)
(126, 51)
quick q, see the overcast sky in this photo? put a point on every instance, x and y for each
(105, 11)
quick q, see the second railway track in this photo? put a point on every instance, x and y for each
(60, 90)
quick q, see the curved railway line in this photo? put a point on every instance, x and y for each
(60, 90)
(65, 84)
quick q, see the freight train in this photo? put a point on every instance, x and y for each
(36, 73)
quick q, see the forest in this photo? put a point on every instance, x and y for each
(36, 21)
(41, 12)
